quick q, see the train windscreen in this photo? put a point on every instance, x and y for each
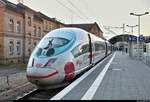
(54, 43)
(50, 45)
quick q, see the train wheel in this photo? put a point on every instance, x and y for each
(69, 71)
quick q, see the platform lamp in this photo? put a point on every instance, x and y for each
(138, 46)
(132, 27)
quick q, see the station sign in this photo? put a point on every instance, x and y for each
(140, 38)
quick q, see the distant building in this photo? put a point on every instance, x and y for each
(21, 29)
(89, 27)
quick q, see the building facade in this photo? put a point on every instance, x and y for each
(21, 29)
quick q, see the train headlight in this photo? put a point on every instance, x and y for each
(50, 62)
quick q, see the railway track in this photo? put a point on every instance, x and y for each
(41, 94)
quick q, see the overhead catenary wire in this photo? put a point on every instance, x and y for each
(70, 10)
(91, 11)
(81, 13)
(77, 9)
(108, 29)
(94, 13)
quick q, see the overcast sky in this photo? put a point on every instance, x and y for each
(105, 12)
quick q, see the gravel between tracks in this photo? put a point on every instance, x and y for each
(15, 92)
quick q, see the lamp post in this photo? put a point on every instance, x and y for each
(132, 28)
(138, 46)
(130, 42)
(123, 39)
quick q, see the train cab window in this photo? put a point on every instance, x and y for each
(80, 49)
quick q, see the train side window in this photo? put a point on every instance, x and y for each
(80, 49)
(99, 46)
(93, 47)
(85, 48)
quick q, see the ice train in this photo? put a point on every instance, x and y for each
(62, 54)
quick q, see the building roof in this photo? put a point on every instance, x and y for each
(14, 6)
(122, 37)
(52, 19)
(44, 16)
(86, 27)
(21, 9)
(37, 17)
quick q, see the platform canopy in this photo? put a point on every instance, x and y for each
(122, 37)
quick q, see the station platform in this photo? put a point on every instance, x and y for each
(117, 77)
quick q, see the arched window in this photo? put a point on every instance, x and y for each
(34, 45)
(29, 38)
(11, 47)
(29, 52)
(11, 25)
(39, 32)
(18, 48)
(18, 27)
(34, 30)
(29, 21)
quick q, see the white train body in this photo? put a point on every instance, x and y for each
(62, 54)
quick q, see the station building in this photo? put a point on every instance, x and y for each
(21, 29)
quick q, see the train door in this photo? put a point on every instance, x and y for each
(90, 48)
(93, 51)
(81, 56)
(106, 49)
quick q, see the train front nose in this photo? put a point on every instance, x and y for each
(43, 76)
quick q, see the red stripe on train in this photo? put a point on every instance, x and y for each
(50, 75)
(95, 54)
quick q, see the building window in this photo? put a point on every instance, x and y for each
(29, 38)
(11, 47)
(34, 45)
(23, 27)
(50, 26)
(18, 27)
(34, 30)
(46, 26)
(29, 52)
(11, 25)
(39, 31)
(18, 46)
(29, 21)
